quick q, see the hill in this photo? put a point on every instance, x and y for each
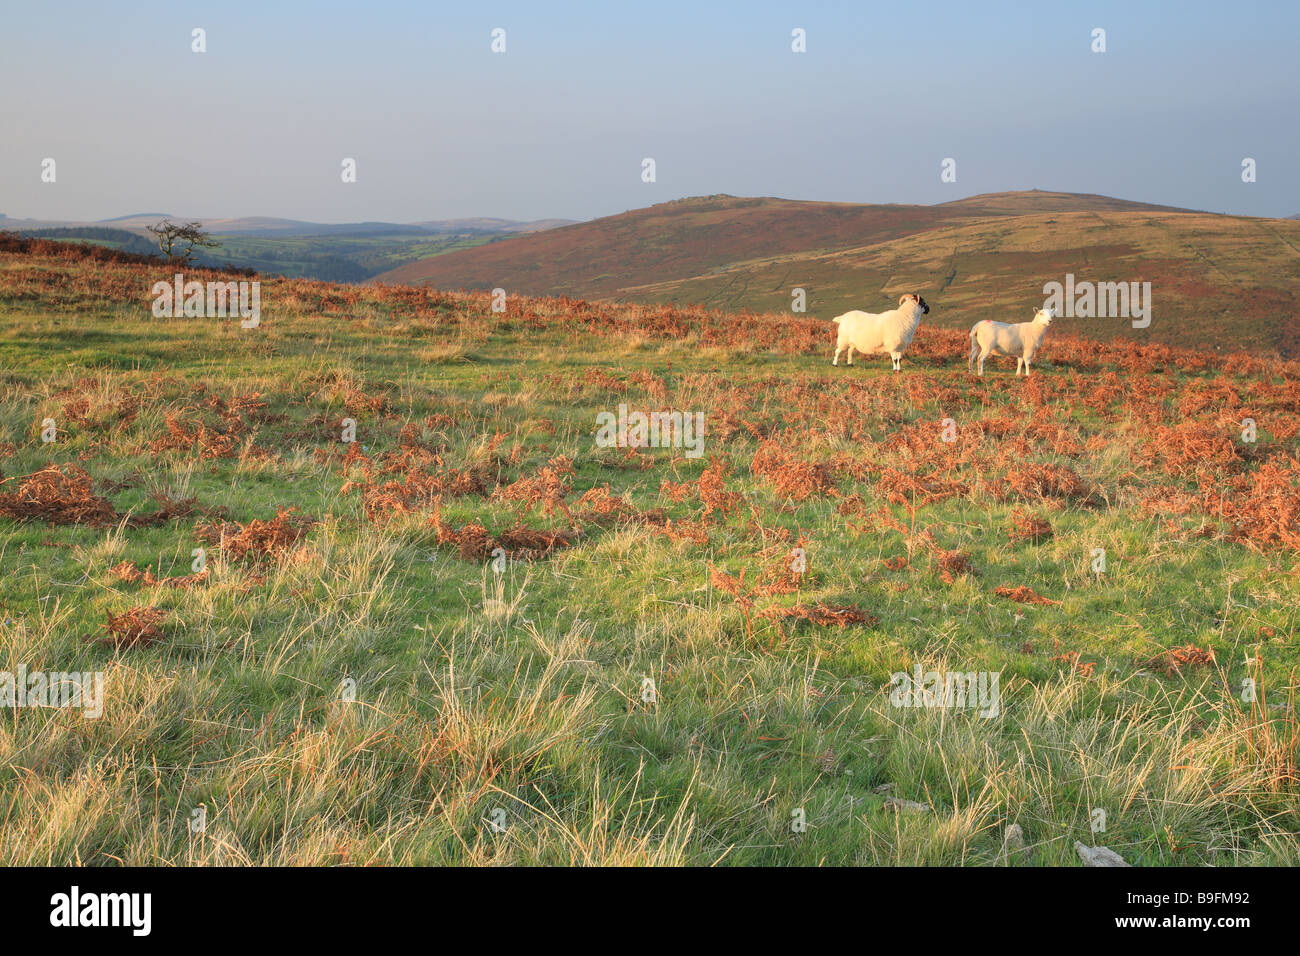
(630, 651)
(624, 650)
(124, 240)
(1213, 277)
(336, 252)
(271, 226)
(487, 224)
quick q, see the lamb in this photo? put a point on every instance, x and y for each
(1021, 340)
(871, 332)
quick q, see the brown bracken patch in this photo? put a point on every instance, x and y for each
(1172, 661)
(1022, 594)
(137, 627)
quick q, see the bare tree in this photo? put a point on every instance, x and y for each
(178, 242)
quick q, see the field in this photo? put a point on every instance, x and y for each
(474, 636)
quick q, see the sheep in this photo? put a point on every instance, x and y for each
(871, 332)
(1021, 340)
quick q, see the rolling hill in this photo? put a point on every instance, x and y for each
(1219, 281)
(271, 226)
(382, 640)
(336, 252)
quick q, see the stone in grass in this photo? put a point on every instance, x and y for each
(1014, 839)
(1099, 856)
(898, 803)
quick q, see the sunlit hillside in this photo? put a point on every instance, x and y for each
(364, 588)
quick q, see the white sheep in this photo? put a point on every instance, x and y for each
(1021, 340)
(871, 332)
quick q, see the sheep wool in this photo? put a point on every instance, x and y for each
(999, 338)
(874, 332)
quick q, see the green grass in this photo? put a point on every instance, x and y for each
(521, 691)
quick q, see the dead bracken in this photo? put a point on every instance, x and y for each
(825, 615)
(128, 572)
(257, 539)
(1172, 661)
(137, 627)
(1022, 594)
(58, 494)
(1029, 527)
(789, 475)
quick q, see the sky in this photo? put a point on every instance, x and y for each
(559, 124)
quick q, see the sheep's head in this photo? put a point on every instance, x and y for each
(1043, 316)
(911, 297)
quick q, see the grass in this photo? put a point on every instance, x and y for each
(357, 691)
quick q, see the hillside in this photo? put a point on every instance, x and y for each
(271, 226)
(341, 652)
(1217, 281)
(334, 252)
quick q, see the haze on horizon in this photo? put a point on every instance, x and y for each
(557, 126)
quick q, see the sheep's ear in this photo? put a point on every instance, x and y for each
(903, 299)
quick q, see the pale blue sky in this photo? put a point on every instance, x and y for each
(558, 125)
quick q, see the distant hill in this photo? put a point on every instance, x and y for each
(492, 225)
(1034, 201)
(700, 236)
(269, 226)
(1214, 277)
(148, 217)
(264, 226)
(120, 239)
(334, 252)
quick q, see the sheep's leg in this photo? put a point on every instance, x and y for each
(983, 355)
(1026, 366)
(836, 359)
(850, 354)
(1018, 361)
(898, 360)
(970, 360)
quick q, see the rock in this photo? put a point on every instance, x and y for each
(1014, 838)
(898, 803)
(1099, 856)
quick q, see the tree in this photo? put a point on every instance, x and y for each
(179, 242)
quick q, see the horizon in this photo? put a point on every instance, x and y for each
(570, 221)
(557, 125)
